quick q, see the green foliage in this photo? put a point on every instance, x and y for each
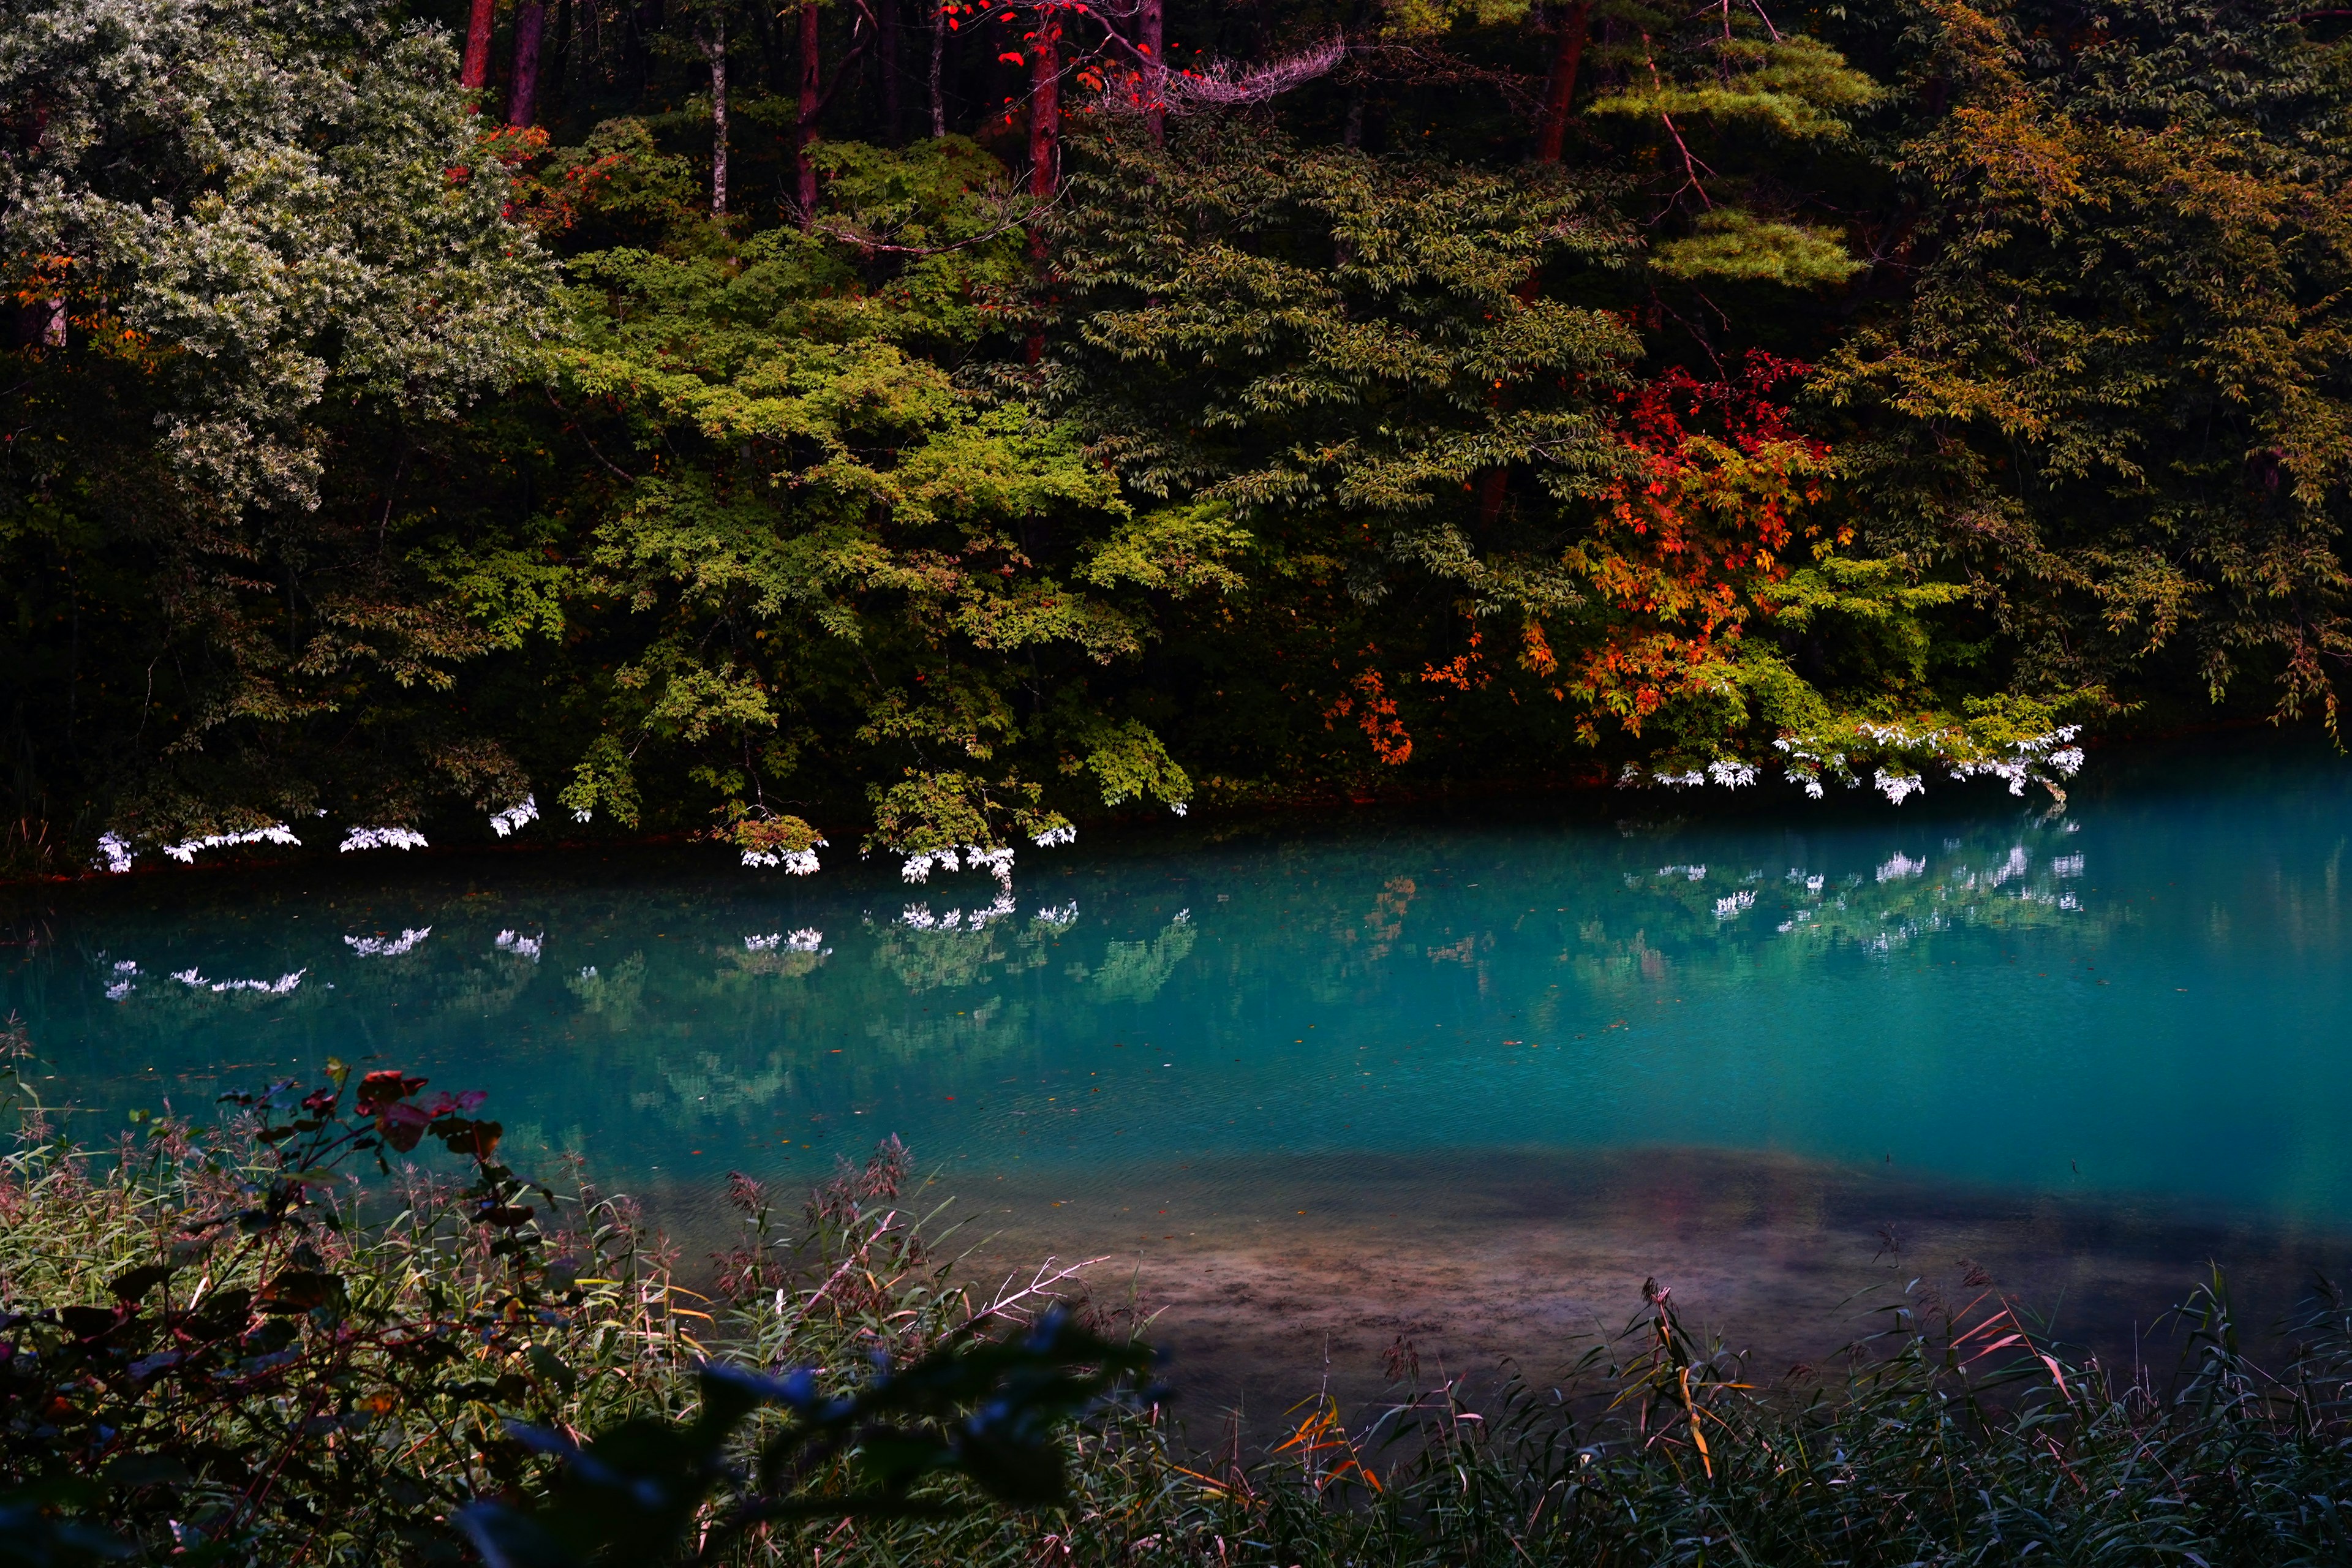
(2114, 402)
(251, 242)
(274, 1368)
(375, 462)
(216, 1348)
(1732, 244)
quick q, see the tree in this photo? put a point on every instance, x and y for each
(248, 212)
(2114, 401)
(833, 559)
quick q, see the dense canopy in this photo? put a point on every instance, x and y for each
(923, 430)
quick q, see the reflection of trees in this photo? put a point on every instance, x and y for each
(2022, 880)
(616, 997)
(485, 989)
(783, 962)
(1135, 971)
(940, 956)
(712, 1087)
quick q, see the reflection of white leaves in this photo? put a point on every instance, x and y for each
(1061, 917)
(505, 822)
(114, 853)
(587, 971)
(2013, 866)
(125, 981)
(386, 947)
(918, 917)
(2066, 866)
(382, 838)
(185, 851)
(1693, 873)
(2069, 902)
(195, 980)
(808, 938)
(1726, 909)
(520, 946)
(1900, 866)
(1055, 837)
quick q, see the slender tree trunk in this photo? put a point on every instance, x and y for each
(714, 50)
(1551, 139)
(938, 53)
(887, 19)
(1045, 138)
(1551, 136)
(1151, 40)
(531, 22)
(1046, 113)
(644, 22)
(475, 74)
(812, 103)
(1351, 129)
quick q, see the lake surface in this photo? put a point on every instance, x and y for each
(1463, 1080)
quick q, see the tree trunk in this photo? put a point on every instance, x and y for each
(475, 74)
(939, 52)
(1552, 134)
(531, 22)
(1045, 138)
(644, 21)
(1045, 112)
(1551, 139)
(886, 20)
(714, 50)
(1152, 41)
(812, 104)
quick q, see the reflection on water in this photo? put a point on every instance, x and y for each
(2138, 1005)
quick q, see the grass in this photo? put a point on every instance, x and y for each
(222, 1346)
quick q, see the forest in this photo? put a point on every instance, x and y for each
(862, 426)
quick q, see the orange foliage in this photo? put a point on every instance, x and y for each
(1464, 671)
(1378, 717)
(1698, 521)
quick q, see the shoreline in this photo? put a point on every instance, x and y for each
(1523, 1260)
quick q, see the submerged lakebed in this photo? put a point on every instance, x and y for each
(1460, 1082)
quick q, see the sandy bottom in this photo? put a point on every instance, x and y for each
(1267, 1280)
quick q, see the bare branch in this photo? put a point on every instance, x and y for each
(1220, 87)
(1008, 1301)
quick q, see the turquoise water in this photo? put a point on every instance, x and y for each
(2141, 1002)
